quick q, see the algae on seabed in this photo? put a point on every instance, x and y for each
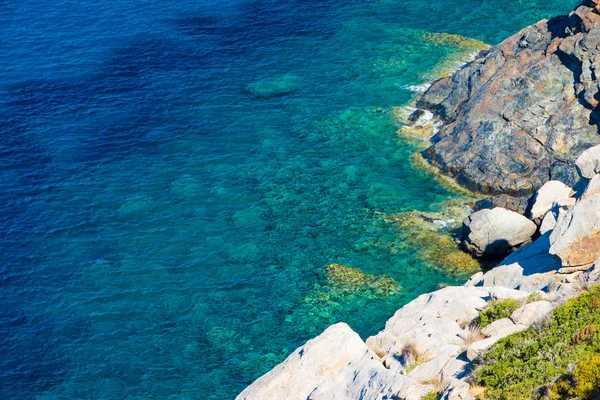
(434, 235)
(340, 287)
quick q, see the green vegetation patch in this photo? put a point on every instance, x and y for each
(497, 309)
(558, 360)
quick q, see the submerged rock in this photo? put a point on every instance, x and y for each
(495, 232)
(348, 279)
(275, 86)
(420, 229)
(520, 115)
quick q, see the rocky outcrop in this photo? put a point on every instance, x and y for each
(495, 232)
(551, 194)
(335, 365)
(520, 114)
(588, 163)
(576, 237)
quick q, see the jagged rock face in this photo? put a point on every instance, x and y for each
(520, 114)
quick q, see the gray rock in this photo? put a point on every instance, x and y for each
(495, 232)
(588, 163)
(519, 116)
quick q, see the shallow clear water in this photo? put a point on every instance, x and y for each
(176, 174)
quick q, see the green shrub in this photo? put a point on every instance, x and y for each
(587, 377)
(531, 364)
(433, 395)
(497, 309)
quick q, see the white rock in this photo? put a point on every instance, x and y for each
(503, 327)
(457, 390)
(592, 188)
(501, 292)
(531, 313)
(455, 368)
(530, 268)
(576, 237)
(366, 378)
(481, 346)
(588, 162)
(548, 223)
(430, 321)
(551, 193)
(431, 369)
(319, 360)
(496, 231)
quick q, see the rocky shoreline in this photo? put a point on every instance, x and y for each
(519, 122)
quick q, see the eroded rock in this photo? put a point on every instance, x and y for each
(551, 193)
(576, 237)
(588, 163)
(521, 114)
(495, 232)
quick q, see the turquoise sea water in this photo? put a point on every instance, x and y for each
(176, 174)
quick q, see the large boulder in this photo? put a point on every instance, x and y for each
(576, 237)
(530, 268)
(521, 114)
(550, 194)
(495, 232)
(588, 163)
(335, 365)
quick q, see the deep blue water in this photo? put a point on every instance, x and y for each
(176, 174)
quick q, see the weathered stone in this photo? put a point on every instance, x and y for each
(516, 204)
(512, 117)
(334, 365)
(571, 270)
(457, 367)
(548, 223)
(480, 346)
(431, 369)
(588, 163)
(457, 390)
(503, 327)
(576, 237)
(551, 193)
(501, 292)
(592, 188)
(529, 268)
(495, 232)
(531, 313)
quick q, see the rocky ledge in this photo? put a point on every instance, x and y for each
(520, 114)
(519, 120)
